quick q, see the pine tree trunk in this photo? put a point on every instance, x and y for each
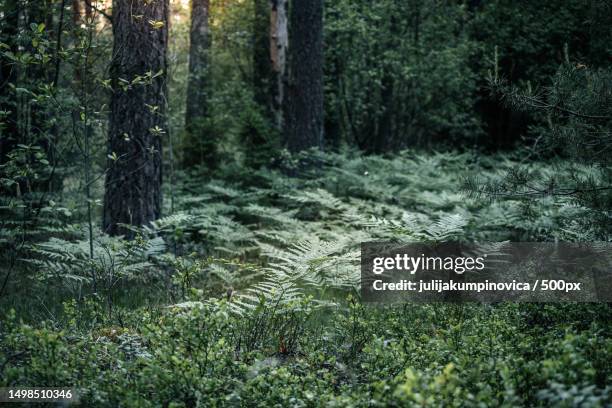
(137, 114)
(303, 127)
(199, 146)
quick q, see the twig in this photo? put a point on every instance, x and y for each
(102, 12)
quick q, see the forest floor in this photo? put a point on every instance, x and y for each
(246, 296)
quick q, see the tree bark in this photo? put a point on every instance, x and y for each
(199, 146)
(263, 125)
(279, 43)
(270, 55)
(303, 127)
(137, 114)
(81, 12)
(262, 64)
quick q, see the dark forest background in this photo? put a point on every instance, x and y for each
(184, 185)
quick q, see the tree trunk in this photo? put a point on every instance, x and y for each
(262, 126)
(80, 12)
(303, 127)
(199, 147)
(262, 64)
(383, 140)
(137, 114)
(271, 42)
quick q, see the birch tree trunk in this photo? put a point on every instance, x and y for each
(279, 42)
(264, 124)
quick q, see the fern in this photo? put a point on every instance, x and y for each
(112, 257)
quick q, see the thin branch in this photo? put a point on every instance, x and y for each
(102, 12)
(540, 192)
(536, 103)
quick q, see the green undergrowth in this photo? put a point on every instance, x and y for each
(247, 295)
